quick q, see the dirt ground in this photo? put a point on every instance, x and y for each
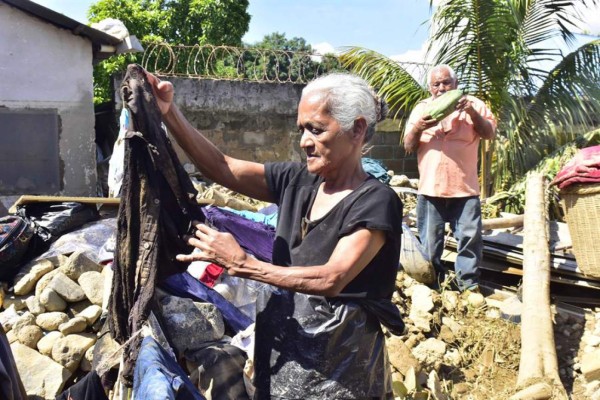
(490, 351)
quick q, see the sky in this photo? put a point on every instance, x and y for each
(395, 28)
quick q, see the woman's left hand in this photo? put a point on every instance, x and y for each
(218, 247)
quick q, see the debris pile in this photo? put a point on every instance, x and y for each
(51, 317)
(459, 344)
(456, 345)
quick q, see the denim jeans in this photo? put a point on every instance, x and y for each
(158, 376)
(464, 216)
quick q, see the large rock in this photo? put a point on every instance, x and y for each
(29, 335)
(78, 307)
(67, 288)
(29, 275)
(41, 376)
(43, 282)
(430, 353)
(77, 264)
(400, 355)
(91, 314)
(69, 350)
(47, 342)
(92, 283)
(8, 318)
(52, 320)
(74, 325)
(34, 305)
(590, 366)
(52, 300)
(422, 304)
(18, 302)
(25, 319)
(190, 325)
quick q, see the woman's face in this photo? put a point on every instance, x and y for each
(325, 145)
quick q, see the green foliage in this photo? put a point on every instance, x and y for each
(398, 87)
(501, 50)
(287, 59)
(513, 199)
(187, 22)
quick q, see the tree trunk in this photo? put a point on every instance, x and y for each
(538, 351)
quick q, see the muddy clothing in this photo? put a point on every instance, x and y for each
(313, 347)
(156, 210)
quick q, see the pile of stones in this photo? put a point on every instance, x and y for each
(51, 317)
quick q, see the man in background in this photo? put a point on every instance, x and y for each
(448, 192)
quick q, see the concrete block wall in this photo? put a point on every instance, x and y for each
(386, 147)
(257, 121)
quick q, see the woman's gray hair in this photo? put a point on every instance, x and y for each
(439, 67)
(349, 97)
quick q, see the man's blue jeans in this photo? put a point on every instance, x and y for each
(464, 216)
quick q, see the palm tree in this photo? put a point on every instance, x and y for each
(500, 50)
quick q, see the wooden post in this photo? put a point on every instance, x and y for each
(538, 352)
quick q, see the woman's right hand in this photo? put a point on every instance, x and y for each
(163, 92)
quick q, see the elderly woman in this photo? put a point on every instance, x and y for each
(335, 257)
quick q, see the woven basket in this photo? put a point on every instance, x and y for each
(582, 209)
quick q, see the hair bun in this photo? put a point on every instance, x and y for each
(382, 110)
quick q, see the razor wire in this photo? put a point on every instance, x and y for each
(242, 63)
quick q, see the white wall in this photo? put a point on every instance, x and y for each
(45, 67)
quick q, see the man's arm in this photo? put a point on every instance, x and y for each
(414, 129)
(484, 127)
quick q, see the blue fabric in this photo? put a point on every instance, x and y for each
(376, 169)
(185, 285)
(158, 376)
(267, 219)
(464, 216)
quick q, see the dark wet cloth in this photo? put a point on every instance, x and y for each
(313, 347)
(221, 367)
(159, 377)
(155, 213)
(254, 237)
(11, 386)
(88, 388)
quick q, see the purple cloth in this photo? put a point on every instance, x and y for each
(254, 237)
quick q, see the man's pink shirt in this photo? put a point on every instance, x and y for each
(447, 153)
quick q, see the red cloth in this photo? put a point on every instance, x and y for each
(211, 274)
(584, 167)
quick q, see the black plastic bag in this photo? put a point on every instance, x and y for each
(15, 235)
(52, 219)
